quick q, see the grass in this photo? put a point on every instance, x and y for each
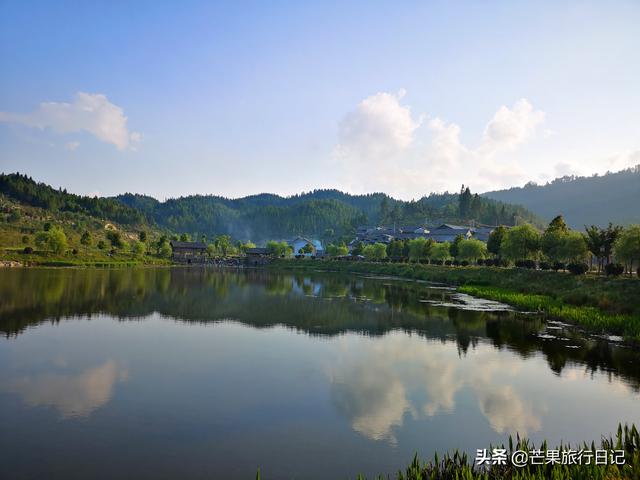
(598, 303)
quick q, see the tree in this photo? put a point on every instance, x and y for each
(419, 249)
(277, 249)
(85, 239)
(308, 248)
(137, 247)
(574, 248)
(357, 249)
(142, 236)
(627, 246)
(376, 251)
(454, 245)
(115, 238)
(184, 237)
(223, 244)
(594, 238)
(337, 250)
(441, 251)
(57, 240)
(521, 243)
(472, 249)
(464, 202)
(558, 225)
(165, 250)
(552, 242)
(494, 242)
(101, 245)
(246, 246)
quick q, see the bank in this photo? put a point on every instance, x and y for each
(607, 305)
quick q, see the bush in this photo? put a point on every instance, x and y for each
(558, 266)
(464, 263)
(480, 261)
(530, 264)
(447, 262)
(491, 262)
(74, 251)
(436, 262)
(614, 269)
(27, 250)
(456, 262)
(545, 266)
(578, 268)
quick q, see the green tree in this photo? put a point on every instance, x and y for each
(165, 250)
(85, 239)
(376, 251)
(472, 249)
(184, 237)
(627, 246)
(308, 248)
(419, 249)
(277, 249)
(494, 242)
(101, 245)
(594, 238)
(521, 243)
(137, 247)
(142, 236)
(441, 251)
(246, 246)
(223, 244)
(57, 240)
(454, 245)
(464, 202)
(115, 238)
(574, 248)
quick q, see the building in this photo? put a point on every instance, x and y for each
(448, 232)
(257, 256)
(299, 243)
(188, 252)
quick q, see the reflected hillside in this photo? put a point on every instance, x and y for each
(319, 304)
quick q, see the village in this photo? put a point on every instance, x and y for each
(305, 247)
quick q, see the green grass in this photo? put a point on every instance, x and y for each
(601, 304)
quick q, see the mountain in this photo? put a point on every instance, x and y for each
(328, 214)
(324, 213)
(596, 200)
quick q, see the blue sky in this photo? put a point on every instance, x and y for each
(234, 98)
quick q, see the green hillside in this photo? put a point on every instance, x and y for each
(596, 200)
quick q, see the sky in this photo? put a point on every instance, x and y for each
(237, 98)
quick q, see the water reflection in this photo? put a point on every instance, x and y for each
(316, 304)
(375, 384)
(71, 394)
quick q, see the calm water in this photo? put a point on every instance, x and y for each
(189, 373)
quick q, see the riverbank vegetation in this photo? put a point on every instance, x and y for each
(603, 304)
(457, 465)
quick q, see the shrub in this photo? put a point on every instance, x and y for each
(27, 250)
(456, 262)
(435, 261)
(558, 266)
(614, 269)
(74, 251)
(480, 261)
(464, 263)
(448, 262)
(530, 264)
(101, 245)
(578, 268)
(545, 266)
(491, 262)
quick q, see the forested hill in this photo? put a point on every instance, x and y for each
(24, 189)
(328, 214)
(597, 200)
(323, 213)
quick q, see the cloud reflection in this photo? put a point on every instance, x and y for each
(376, 382)
(73, 395)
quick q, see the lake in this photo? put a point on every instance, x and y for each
(156, 373)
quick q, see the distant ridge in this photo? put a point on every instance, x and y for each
(327, 214)
(597, 200)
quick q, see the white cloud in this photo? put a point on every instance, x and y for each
(382, 147)
(379, 127)
(511, 127)
(88, 112)
(73, 395)
(72, 146)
